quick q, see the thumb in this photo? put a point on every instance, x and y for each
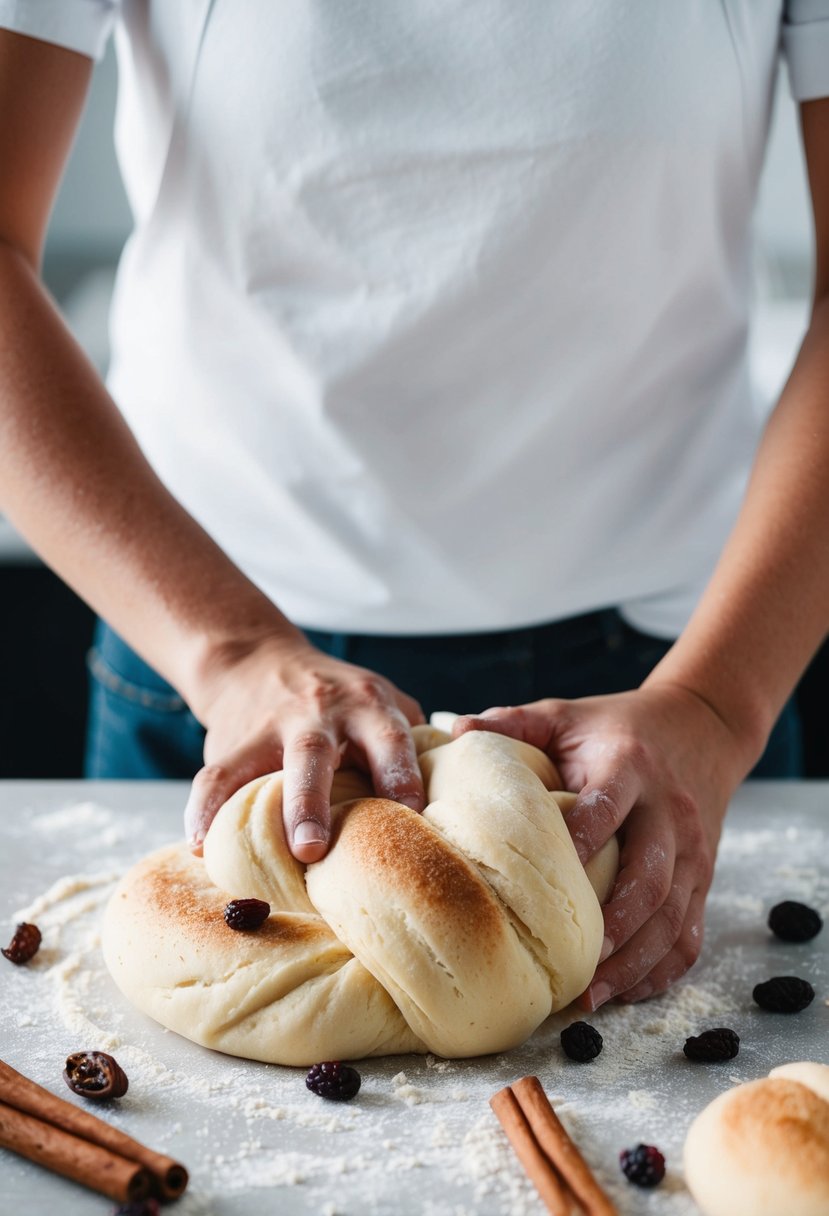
(534, 723)
(211, 788)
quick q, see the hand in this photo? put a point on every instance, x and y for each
(285, 705)
(658, 766)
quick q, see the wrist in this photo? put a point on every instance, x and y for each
(220, 650)
(743, 719)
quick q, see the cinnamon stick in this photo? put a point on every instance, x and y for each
(536, 1164)
(169, 1177)
(553, 1162)
(559, 1148)
(89, 1164)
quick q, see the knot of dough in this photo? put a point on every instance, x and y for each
(457, 931)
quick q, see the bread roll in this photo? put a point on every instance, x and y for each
(762, 1148)
(456, 931)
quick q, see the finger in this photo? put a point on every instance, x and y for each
(678, 960)
(533, 723)
(310, 757)
(391, 757)
(216, 782)
(630, 966)
(647, 866)
(410, 708)
(602, 806)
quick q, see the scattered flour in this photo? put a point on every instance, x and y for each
(419, 1122)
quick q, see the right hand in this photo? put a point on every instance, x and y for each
(282, 704)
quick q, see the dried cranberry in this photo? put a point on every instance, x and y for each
(643, 1165)
(713, 1045)
(94, 1074)
(334, 1080)
(581, 1041)
(24, 945)
(794, 922)
(784, 994)
(244, 914)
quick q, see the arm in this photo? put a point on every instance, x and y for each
(766, 610)
(662, 762)
(75, 483)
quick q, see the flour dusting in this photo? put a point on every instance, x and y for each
(420, 1124)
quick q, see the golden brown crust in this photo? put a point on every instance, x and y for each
(771, 1114)
(177, 893)
(398, 845)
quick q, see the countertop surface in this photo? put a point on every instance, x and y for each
(420, 1137)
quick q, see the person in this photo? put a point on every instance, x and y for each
(429, 389)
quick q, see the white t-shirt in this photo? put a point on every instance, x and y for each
(435, 311)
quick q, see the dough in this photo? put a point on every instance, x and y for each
(457, 931)
(762, 1149)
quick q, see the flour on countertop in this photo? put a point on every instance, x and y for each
(419, 1121)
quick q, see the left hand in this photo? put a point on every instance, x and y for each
(658, 766)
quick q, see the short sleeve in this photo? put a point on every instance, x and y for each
(806, 47)
(79, 25)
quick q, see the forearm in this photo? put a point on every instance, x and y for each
(75, 483)
(766, 609)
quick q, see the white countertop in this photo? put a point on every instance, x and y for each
(420, 1137)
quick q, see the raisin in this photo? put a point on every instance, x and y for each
(713, 1045)
(94, 1074)
(794, 922)
(139, 1207)
(581, 1041)
(24, 945)
(334, 1080)
(643, 1165)
(784, 994)
(242, 914)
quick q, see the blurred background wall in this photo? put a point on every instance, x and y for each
(45, 630)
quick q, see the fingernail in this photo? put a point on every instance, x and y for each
(309, 831)
(607, 949)
(193, 830)
(598, 994)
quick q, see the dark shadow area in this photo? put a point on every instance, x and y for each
(46, 631)
(813, 703)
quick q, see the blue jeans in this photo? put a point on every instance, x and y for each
(139, 727)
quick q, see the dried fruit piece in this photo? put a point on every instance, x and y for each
(794, 922)
(713, 1045)
(643, 1165)
(94, 1074)
(581, 1041)
(784, 994)
(24, 945)
(139, 1207)
(245, 914)
(333, 1080)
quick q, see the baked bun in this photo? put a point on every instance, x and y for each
(456, 931)
(762, 1149)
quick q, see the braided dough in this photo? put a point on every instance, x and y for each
(762, 1148)
(456, 931)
